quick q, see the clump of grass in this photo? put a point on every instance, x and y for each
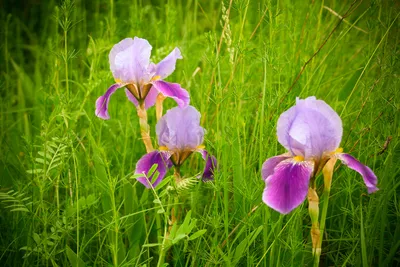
(67, 196)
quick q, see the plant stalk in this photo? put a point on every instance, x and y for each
(327, 171)
(144, 127)
(313, 210)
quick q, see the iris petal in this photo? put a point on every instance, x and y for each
(210, 167)
(368, 175)
(310, 128)
(167, 66)
(102, 102)
(173, 90)
(130, 60)
(287, 187)
(161, 158)
(179, 129)
(270, 164)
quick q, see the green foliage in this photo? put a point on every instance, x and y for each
(15, 201)
(51, 159)
(68, 195)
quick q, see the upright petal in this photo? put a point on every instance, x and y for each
(149, 101)
(179, 129)
(102, 102)
(173, 90)
(326, 110)
(210, 167)
(368, 175)
(147, 161)
(270, 164)
(287, 187)
(130, 59)
(167, 66)
(310, 128)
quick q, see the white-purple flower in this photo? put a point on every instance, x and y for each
(311, 131)
(179, 135)
(131, 67)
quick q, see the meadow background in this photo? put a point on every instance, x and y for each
(67, 196)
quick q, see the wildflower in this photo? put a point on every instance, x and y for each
(179, 135)
(311, 131)
(131, 67)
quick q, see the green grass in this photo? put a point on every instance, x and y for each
(74, 201)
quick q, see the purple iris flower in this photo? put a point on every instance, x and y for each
(179, 135)
(131, 67)
(311, 131)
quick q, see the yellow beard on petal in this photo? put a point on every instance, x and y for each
(155, 78)
(298, 158)
(200, 147)
(339, 150)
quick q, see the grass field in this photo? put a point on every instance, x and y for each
(67, 195)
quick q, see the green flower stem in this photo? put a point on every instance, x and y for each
(313, 210)
(327, 172)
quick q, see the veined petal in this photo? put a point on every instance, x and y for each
(309, 128)
(287, 187)
(210, 167)
(179, 129)
(173, 90)
(102, 102)
(161, 158)
(130, 59)
(149, 101)
(270, 164)
(368, 175)
(167, 66)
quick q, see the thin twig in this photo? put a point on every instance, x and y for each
(366, 130)
(385, 145)
(348, 12)
(362, 108)
(340, 17)
(258, 24)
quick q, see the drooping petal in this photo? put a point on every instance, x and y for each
(368, 175)
(179, 129)
(287, 187)
(161, 158)
(270, 164)
(149, 101)
(173, 90)
(102, 102)
(210, 167)
(130, 59)
(310, 128)
(167, 66)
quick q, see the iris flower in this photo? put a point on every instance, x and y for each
(179, 135)
(311, 131)
(131, 67)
